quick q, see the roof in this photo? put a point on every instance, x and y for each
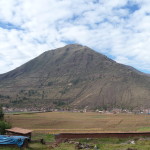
(19, 130)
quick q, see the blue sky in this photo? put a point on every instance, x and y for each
(119, 29)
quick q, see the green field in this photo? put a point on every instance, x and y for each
(101, 144)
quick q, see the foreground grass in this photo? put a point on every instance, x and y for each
(119, 144)
(102, 144)
(141, 145)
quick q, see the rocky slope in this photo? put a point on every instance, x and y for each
(74, 76)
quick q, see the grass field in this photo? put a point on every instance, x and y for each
(46, 124)
(101, 144)
(56, 122)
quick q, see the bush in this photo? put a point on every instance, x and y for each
(50, 83)
(1, 113)
(76, 81)
(4, 125)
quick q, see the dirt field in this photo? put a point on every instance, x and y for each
(56, 122)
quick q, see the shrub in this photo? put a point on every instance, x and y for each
(76, 81)
(59, 103)
(4, 125)
(50, 83)
(1, 113)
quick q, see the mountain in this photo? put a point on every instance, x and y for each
(74, 76)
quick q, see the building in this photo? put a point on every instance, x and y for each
(19, 132)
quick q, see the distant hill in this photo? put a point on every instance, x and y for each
(74, 76)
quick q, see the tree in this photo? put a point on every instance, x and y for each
(1, 113)
(3, 124)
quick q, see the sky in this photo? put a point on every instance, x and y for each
(119, 29)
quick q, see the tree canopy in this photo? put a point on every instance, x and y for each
(1, 113)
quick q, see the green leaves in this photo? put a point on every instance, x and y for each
(4, 125)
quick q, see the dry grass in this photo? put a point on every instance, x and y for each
(56, 122)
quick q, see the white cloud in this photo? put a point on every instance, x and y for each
(117, 28)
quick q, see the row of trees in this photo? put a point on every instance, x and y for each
(3, 124)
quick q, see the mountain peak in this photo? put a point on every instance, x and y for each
(74, 47)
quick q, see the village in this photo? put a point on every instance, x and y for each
(42, 110)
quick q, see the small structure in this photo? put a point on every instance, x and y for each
(19, 131)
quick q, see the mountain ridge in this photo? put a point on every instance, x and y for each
(75, 76)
